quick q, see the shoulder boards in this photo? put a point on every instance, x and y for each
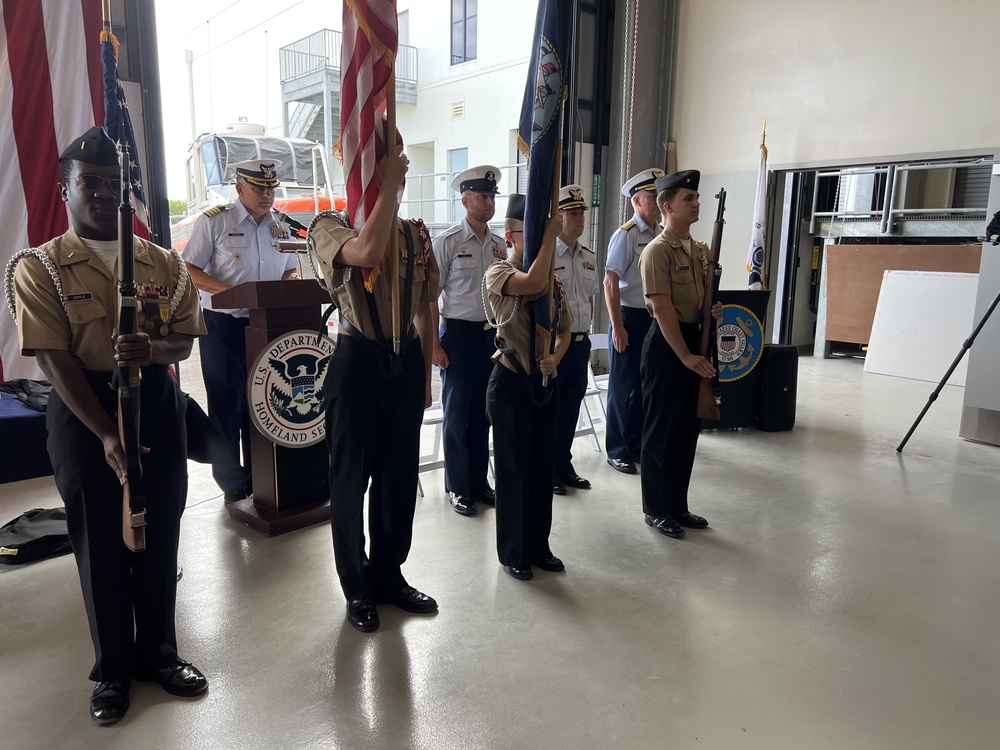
(587, 249)
(450, 230)
(217, 209)
(629, 224)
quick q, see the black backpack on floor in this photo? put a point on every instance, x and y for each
(34, 535)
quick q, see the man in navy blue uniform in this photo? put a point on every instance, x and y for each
(628, 321)
(231, 244)
(576, 267)
(464, 347)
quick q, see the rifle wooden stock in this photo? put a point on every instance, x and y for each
(127, 379)
(709, 397)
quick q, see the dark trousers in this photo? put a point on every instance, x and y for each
(129, 596)
(373, 433)
(572, 385)
(466, 430)
(224, 368)
(670, 436)
(523, 439)
(623, 438)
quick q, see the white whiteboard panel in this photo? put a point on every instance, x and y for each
(921, 322)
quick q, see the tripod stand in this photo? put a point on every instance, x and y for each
(966, 345)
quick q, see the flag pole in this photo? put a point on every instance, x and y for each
(390, 113)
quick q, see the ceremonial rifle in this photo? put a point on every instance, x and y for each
(709, 398)
(127, 379)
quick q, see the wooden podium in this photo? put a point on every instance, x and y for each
(290, 485)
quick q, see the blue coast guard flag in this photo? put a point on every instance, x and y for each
(118, 125)
(539, 128)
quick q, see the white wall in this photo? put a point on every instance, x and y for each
(854, 80)
(491, 86)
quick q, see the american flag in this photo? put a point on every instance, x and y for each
(367, 60)
(50, 92)
(538, 130)
(118, 125)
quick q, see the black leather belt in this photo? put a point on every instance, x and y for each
(469, 324)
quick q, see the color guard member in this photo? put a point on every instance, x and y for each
(673, 281)
(66, 301)
(464, 346)
(375, 399)
(231, 244)
(628, 321)
(522, 412)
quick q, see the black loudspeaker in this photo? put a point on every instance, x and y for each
(775, 403)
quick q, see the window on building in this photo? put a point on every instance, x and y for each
(464, 20)
(458, 161)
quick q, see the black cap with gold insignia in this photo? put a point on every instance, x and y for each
(689, 179)
(261, 173)
(93, 147)
(571, 198)
(515, 206)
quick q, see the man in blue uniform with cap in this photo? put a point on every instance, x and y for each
(576, 267)
(231, 244)
(628, 321)
(464, 348)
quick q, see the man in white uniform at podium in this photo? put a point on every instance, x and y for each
(231, 244)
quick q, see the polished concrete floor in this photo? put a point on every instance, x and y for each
(844, 597)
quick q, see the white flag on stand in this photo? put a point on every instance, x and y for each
(755, 256)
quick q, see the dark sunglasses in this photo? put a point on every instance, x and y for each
(94, 182)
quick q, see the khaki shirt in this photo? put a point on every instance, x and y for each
(666, 268)
(516, 334)
(331, 233)
(90, 292)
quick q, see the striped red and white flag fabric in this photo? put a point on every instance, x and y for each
(367, 62)
(50, 92)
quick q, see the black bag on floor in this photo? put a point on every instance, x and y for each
(34, 535)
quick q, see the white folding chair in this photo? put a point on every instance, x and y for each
(586, 424)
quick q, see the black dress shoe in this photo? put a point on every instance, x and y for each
(234, 496)
(180, 678)
(666, 526)
(463, 504)
(109, 701)
(558, 488)
(550, 562)
(575, 480)
(487, 497)
(362, 615)
(409, 599)
(692, 521)
(625, 467)
(520, 573)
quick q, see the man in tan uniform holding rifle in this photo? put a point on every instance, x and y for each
(673, 284)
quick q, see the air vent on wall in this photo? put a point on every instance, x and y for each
(458, 110)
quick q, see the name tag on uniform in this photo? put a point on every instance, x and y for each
(683, 268)
(464, 255)
(79, 297)
(235, 234)
(560, 268)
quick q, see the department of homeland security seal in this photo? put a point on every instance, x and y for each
(285, 389)
(739, 342)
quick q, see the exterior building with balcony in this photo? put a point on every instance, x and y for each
(460, 74)
(310, 87)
